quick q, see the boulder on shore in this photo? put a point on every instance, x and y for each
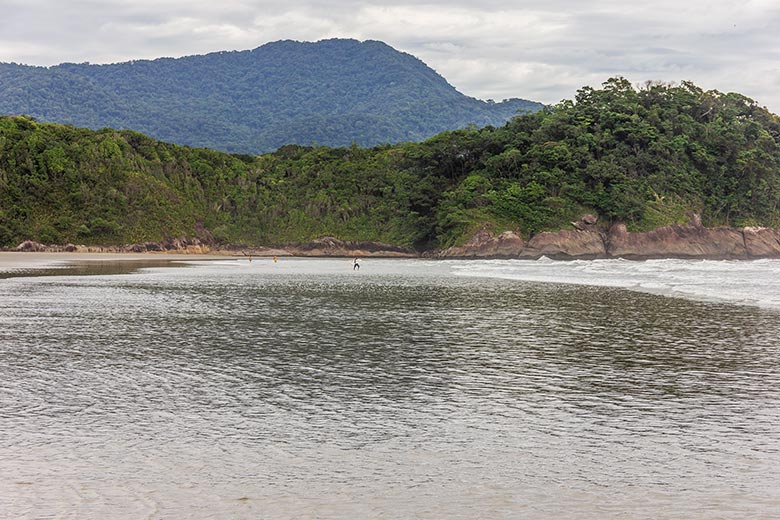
(31, 246)
(586, 222)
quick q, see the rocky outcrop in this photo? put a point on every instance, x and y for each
(762, 242)
(174, 245)
(678, 241)
(484, 245)
(30, 247)
(586, 222)
(566, 245)
(586, 241)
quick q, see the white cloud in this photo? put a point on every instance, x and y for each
(537, 49)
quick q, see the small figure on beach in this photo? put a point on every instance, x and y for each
(274, 259)
(356, 265)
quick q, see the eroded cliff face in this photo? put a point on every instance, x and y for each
(587, 242)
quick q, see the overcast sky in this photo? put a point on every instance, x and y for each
(542, 50)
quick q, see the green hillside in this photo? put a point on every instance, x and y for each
(644, 157)
(332, 93)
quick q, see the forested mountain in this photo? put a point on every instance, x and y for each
(644, 157)
(330, 93)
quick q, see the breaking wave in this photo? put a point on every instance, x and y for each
(755, 282)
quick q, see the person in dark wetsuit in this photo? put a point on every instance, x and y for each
(356, 265)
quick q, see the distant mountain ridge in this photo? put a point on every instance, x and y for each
(333, 92)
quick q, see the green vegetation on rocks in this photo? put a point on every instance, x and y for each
(641, 156)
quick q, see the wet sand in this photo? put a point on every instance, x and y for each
(21, 264)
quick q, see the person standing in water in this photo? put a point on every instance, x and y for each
(356, 265)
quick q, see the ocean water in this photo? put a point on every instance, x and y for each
(739, 282)
(408, 389)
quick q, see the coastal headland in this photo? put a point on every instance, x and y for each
(614, 173)
(586, 241)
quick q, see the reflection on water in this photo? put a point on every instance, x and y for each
(305, 390)
(101, 267)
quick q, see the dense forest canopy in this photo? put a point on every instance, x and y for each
(332, 93)
(641, 156)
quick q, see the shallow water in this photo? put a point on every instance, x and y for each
(406, 390)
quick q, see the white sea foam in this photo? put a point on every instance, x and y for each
(754, 282)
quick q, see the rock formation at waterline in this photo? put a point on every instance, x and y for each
(677, 241)
(692, 240)
(762, 242)
(585, 242)
(566, 244)
(484, 245)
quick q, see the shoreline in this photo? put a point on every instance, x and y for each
(13, 261)
(587, 241)
(15, 264)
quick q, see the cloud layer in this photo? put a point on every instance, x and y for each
(536, 49)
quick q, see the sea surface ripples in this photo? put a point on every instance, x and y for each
(303, 389)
